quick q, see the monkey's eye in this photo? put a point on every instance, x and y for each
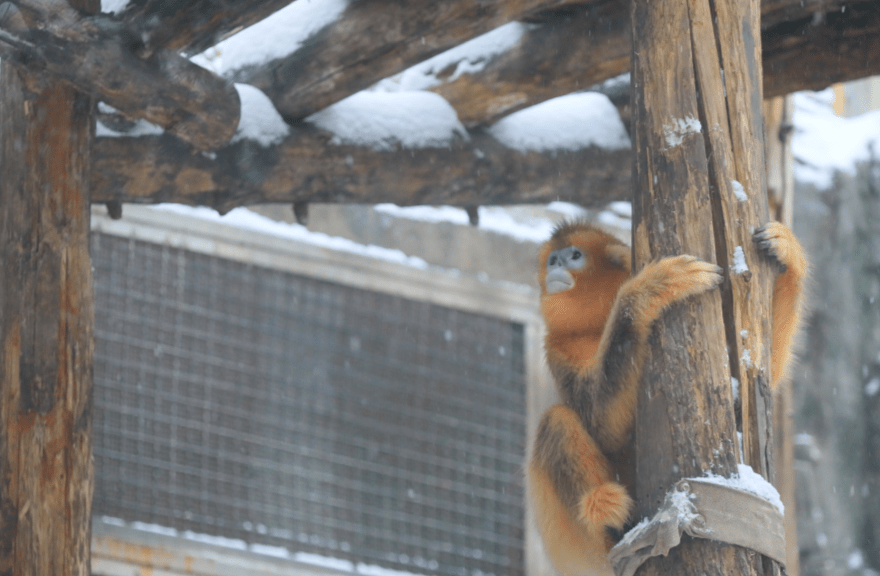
(553, 260)
(576, 255)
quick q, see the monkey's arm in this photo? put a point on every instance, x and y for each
(778, 242)
(603, 392)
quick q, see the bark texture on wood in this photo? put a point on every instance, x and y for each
(46, 316)
(307, 168)
(373, 40)
(582, 47)
(193, 27)
(697, 133)
(97, 55)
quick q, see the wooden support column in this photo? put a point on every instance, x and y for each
(700, 190)
(46, 323)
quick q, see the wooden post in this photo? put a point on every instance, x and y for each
(700, 189)
(46, 322)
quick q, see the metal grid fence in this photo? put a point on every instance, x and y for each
(255, 404)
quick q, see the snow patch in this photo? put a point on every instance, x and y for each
(372, 570)
(449, 214)
(260, 121)
(493, 218)
(567, 209)
(244, 218)
(739, 261)
(676, 132)
(277, 36)
(872, 387)
(747, 358)
(386, 120)
(569, 122)
(113, 6)
(748, 480)
(823, 142)
(739, 191)
(734, 385)
(324, 561)
(139, 127)
(467, 58)
(233, 543)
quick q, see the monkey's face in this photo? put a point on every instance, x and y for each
(560, 268)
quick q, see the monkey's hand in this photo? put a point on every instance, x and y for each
(780, 244)
(665, 282)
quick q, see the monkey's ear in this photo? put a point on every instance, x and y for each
(619, 255)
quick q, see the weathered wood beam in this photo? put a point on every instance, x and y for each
(97, 55)
(373, 40)
(307, 168)
(193, 27)
(46, 327)
(564, 53)
(815, 51)
(573, 50)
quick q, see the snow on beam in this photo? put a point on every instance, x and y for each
(370, 41)
(305, 166)
(572, 51)
(97, 55)
(193, 27)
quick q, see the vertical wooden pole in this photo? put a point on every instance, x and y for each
(46, 323)
(700, 189)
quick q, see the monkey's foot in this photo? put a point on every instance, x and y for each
(778, 242)
(605, 505)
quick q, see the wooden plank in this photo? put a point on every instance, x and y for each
(193, 27)
(46, 327)
(697, 128)
(306, 167)
(373, 40)
(97, 55)
(571, 51)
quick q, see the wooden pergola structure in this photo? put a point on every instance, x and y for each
(60, 58)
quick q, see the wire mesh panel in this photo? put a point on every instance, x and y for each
(254, 404)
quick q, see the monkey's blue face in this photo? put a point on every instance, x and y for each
(560, 265)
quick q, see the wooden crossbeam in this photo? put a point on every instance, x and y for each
(193, 27)
(97, 55)
(570, 52)
(374, 40)
(306, 167)
(813, 52)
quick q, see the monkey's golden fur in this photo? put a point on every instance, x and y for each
(596, 339)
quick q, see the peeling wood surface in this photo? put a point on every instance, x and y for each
(97, 55)
(695, 131)
(373, 40)
(46, 316)
(305, 167)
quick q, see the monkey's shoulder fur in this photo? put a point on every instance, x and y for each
(598, 317)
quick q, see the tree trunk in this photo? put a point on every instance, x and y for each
(697, 133)
(46, 318)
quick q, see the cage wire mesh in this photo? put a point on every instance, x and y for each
(279, 410)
